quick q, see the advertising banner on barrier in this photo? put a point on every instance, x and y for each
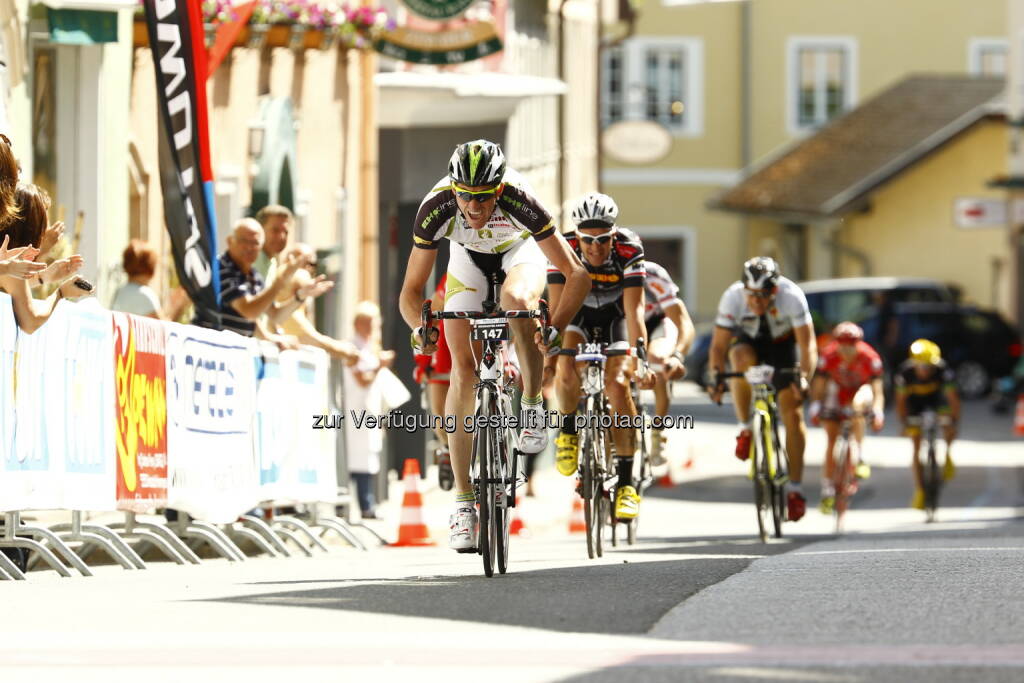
(140, 378)
(8, 338)
(210, 406)
(64, 407)
(296, 462)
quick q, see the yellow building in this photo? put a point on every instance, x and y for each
(735, 84)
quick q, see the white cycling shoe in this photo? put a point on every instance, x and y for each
(462, 528)
(534, 437)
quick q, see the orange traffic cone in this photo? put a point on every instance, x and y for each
(577, 522)
(666, 479)
(1018, 420)
(516, 526)
(412, 530)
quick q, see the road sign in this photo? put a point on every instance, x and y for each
(976, 212)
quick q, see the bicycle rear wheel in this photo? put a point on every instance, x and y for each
(587, 476)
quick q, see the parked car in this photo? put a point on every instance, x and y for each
(979, 345)
(833, 301)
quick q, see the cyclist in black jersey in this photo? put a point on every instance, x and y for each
(614, 258)
(924, 382)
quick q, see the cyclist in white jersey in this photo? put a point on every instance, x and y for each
(670, 334)
(764, 320)
(489, 214)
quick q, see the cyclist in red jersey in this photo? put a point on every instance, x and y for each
(435, 369)
(849, 370)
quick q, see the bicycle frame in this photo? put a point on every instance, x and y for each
(496, 469)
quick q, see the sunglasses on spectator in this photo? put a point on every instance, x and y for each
(759, 295)
(479, 195)
(603, 238)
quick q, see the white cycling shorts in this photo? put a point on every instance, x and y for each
(467, 284)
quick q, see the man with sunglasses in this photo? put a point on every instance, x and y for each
(614, 258)
(764, 320)
(489, 213)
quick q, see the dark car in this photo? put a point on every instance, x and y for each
(979, 345)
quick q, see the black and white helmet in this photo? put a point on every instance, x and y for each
(478, 162)
(761, 273)
(595, 210)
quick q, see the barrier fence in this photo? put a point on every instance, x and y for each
(103, 411)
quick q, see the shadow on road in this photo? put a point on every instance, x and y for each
(626, 597)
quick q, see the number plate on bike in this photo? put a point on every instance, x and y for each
(760, 374)
(493, 330)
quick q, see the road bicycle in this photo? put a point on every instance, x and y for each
(931, 474)
(845, 457)
(769, 466)
(598, 478)
(496, 468)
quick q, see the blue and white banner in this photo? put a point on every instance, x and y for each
(297, 463)
(211, 385)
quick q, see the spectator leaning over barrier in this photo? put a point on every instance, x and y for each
(136, 296)
(277, 222)
(26, 230)
(243, 296)
(304, 286)
(363, 446)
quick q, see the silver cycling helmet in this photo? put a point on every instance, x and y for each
(595, 210)
(478, 162)
(761, 274)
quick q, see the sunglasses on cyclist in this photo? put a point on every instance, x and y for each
(759, 294)
(479, 195)
(603, 238)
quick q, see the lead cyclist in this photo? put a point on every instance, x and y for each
(489, 214)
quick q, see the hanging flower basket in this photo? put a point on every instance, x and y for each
(298, 24)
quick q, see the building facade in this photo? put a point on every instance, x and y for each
(736, 84)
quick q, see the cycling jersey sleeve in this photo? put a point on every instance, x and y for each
(555, 276)
(799, 312)
(729, 308)
(527, 211)
(435, 214)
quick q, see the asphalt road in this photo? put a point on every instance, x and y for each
(698, 598)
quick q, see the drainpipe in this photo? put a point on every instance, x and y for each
(563, 162)
(745, 118)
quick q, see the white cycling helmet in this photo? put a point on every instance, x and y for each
(761, 273)
(595, 210)
(478, 162)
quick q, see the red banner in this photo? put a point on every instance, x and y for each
(140, 376)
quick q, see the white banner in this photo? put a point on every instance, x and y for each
(8, 339)
(64, 401)
(297, 463)
(210, 407)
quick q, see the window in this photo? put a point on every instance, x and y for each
(655, 79)
(822, 80)
(987, 56)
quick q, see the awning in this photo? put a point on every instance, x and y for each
(84, 22)
(410, 99)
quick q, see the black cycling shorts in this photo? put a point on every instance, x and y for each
(608, 323)
(779, 354)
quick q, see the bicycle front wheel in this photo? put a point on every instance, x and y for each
(502, 518)
(932, 480)
(762, 479)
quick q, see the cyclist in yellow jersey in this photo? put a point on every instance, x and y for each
(489, 214)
